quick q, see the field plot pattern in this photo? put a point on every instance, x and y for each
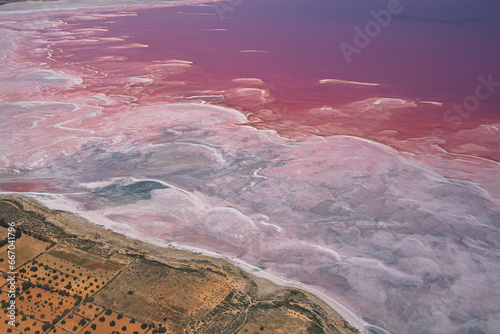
(27, 248)
(52, 285)
(88, 310)
(116, 322)
(44, 305)
(73, 323)
(84, 275)
(147, 287)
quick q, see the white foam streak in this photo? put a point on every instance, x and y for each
(346, 82)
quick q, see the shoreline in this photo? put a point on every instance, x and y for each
(28, 7)
(71, 234)
(20, 8)
(254, 271)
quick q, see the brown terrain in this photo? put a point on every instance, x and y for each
(77, 277)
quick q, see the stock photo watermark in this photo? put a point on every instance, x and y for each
(11, 275)
(221, 8)
(372, 29)
(484, 90)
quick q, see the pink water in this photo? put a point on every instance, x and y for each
(363, 189)
(418, 58)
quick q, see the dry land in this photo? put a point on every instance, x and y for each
(78, 278)
(26, 249)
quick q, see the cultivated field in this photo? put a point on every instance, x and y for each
(3, 299)
(107, 323)
(73, 323)
(26, 248)
(70, 259)
(155, 292)
(3, 232)
(38, 273)
(43, 305)
(88, 310)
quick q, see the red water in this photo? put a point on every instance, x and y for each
(415, 58)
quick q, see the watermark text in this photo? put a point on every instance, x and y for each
(363, 37)
(11, 275)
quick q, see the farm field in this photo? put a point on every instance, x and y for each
(70, 259)
(4, 299)
(43, 305)
(73, 323)
(4, 327)
(3, 232)
(154, 291)
(107, 323)
(88, 310)
(30, 325)
(26, 248)
(38, 273)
